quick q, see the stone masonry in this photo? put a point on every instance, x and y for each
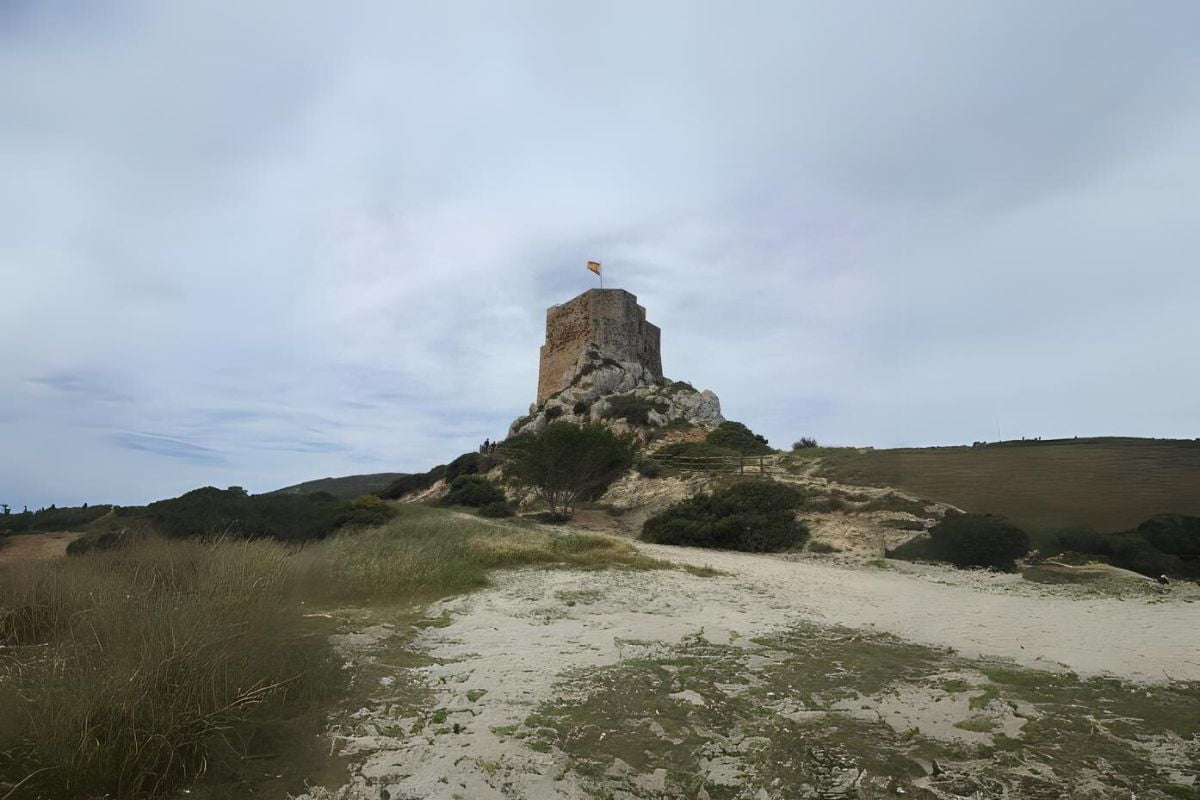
(608, 321)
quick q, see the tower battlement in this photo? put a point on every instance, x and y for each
(609, 321)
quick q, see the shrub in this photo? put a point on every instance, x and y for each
(564, 462)
(582, 407)
(413, 483)
(632, 408)
(649, 468)
(736, 436)
(978, 540)
(804, 442)
(1162, 545)
(696, 450)
(287, 517)
(1176, 534)
(554, 412)
(472, 490)
(496, 508)
(466, 464)
(752, 516)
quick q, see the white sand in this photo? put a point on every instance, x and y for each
(518, 639)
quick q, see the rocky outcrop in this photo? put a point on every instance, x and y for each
(626, 395)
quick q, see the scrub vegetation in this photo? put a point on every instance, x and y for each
(131, 672)
(828, 712)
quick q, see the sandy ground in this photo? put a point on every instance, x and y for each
(24, 546)
(506, 648)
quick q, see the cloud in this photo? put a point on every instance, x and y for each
(168, 447)
(308, 239)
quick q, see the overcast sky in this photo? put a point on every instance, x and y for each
(258, 243)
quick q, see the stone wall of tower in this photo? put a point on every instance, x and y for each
(607, 320)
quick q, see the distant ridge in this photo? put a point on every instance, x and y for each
(347, 488)
(1110, 483)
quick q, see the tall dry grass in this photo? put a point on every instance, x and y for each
(130, 673)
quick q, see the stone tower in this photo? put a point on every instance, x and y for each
(608, 321)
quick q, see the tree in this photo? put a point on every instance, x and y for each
(565, 463)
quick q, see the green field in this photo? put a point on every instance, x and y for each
(1110, 484)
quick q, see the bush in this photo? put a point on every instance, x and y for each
(1162, 545)
(736, 436)
(582, 407)
(804, 442)
(978, 540)
(649, 468)
(413, 483)
(564, 462)
(496, 508)
(696, 450)
(633, 409)
(472, 490)
(554, 412)
(286, 517)
(1176, 534)
(752, 516)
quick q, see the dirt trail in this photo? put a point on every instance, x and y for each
(506, 648)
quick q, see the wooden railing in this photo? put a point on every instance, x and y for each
(742, 465)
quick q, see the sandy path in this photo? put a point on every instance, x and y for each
(507, 647)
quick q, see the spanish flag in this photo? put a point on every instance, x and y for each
(594, 266)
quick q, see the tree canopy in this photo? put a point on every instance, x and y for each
(565, 463)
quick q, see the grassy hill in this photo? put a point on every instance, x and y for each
(1109, 484)
(346, 488)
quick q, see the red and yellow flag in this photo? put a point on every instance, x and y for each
(594, 266)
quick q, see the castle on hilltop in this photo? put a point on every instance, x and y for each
(607, 321)
(601, 363)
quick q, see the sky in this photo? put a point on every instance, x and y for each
(259, 243)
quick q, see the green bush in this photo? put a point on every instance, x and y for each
(752, 516)
(696, 450)
(1175, 534)
(649, 468)
(416, 482)
(633, 409)
(496, 508)
(565, 463)
(472, 490)
(804, 442)
(736, 436)
(978, 540)
(582, 407)
(1162, 545)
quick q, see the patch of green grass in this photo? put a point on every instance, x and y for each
(703, 572)
(1076, 731)
(981, 700)
(977, 724)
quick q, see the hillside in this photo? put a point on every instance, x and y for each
(1110, 484)
(346, 488)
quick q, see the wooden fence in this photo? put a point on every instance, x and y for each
(741, 465)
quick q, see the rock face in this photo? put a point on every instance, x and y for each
(601, 361)
(608, 321)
